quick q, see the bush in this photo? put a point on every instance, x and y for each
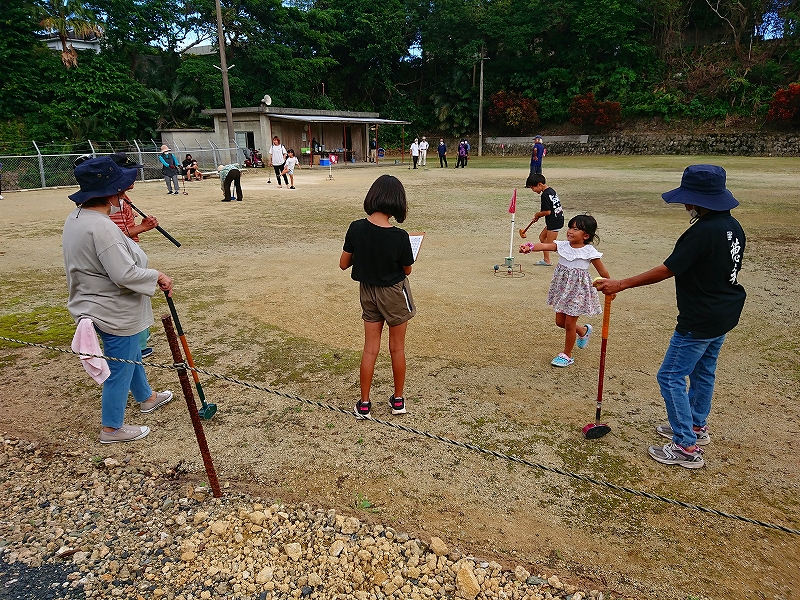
(785, 105)
(514, 113)
(587, 112)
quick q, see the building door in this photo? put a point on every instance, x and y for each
(245, 139)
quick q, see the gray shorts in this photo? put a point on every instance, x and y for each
(393, 304)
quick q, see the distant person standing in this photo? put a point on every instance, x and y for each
(467, 148)
(537, 155)
(415, 152)
(423, 151)
(170, 169)
(373, 150)
(462, 155)
(288, 167)
(442, 150)
(277, 158)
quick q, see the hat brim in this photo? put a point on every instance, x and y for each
(722, 201)
(122, 183)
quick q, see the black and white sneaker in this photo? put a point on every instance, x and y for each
(398, 405)
(675, 454)
(703, 436)
(361, 409)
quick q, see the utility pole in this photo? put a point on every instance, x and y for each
(480, 109)
(226, 91)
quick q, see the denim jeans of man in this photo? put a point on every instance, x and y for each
(696, 359)
(124, 378)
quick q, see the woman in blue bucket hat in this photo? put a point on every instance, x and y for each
(705, 263)
(110, 288)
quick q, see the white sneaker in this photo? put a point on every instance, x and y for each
(126, 433)
(161, 399)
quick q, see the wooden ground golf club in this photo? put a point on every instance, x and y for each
(207, 410)
(158, 227)
(523, 233)
(597, 429)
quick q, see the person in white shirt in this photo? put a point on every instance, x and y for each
(277, 158)
(415, 152)
(288, 167)
(423, 151)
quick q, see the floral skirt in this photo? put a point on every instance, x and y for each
(571, 292)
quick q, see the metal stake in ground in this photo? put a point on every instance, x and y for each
(597, 429)
(208, 410)
(166, 320)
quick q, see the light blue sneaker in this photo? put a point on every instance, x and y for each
(562, 360)
(582, 342)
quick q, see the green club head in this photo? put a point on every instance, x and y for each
(207, 411)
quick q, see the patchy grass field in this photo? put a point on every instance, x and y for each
(261, 298)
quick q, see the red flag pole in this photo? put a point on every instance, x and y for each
(512, 209)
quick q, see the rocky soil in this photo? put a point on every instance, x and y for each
(77, 526)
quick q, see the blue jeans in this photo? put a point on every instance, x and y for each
(696, 359)
(124, 378)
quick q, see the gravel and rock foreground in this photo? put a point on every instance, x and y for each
(76, 526)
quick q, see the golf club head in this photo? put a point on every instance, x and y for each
(594, 431)
(207, 411)
(522, 233)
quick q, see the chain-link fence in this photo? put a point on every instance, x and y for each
(35, 166)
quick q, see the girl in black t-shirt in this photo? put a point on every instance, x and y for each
(381, 257)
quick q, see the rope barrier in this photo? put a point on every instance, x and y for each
(433, 436)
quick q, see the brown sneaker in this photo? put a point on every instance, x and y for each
(161, 398)
(126, 433)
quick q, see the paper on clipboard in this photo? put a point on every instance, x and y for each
(416, 242)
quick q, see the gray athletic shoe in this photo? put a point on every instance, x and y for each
(703, 436)
(673, 454)
(161, 399)
(126, 433)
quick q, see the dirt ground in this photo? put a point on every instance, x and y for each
(261, 298)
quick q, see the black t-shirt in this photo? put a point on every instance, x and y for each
(379, 253)
(706, 261)
(551, 202)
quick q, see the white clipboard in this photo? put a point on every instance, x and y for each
(416, 242)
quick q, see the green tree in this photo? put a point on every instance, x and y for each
(21, 56)
(175, 108)
(64, 16)
(96, 98)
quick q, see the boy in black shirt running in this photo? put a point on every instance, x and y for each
(550, 209)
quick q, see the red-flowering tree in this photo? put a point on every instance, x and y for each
(593, 114)
(512, 112)
(785, 105)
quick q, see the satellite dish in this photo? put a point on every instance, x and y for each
(266, 100)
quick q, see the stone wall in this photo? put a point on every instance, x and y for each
(734, 144)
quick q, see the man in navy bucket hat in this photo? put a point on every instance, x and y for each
(705, 263)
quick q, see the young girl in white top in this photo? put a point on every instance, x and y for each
(288, 167)
(571, 293)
